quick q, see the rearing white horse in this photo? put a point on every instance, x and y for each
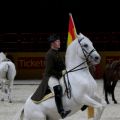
(81, 86)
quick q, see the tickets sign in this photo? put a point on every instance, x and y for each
(30, 62)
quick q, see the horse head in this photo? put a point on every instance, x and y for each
(2, 56)
(81, 50)
(89, 52)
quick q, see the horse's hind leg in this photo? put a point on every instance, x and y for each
(107, 87)
(106, 96)
(9, 95)
(112, 92)
(10, 87)
(3, 90)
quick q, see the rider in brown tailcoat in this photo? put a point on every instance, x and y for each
(53, 72)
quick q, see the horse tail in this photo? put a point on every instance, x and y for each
(19, 115)
(11, 73)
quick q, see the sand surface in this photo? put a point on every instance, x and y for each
(22, 89)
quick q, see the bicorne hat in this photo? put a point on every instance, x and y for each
(53, 38)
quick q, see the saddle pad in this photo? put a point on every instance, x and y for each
(50, 95)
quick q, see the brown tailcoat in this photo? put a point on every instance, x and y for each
(54, 67)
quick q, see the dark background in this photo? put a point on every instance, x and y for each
(25, 26)
(52, 15)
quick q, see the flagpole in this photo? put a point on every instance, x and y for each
(70, 14)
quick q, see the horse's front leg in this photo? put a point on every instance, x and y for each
(112, 92)
(99, 110)
(97, 103)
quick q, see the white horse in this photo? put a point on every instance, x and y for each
(7, 75)
(81, 86)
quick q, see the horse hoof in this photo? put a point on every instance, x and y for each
(108, 103)
(10, 101)
(115, 102)
(2, 99)
(6, 91)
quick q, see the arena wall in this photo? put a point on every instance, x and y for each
(30, 65)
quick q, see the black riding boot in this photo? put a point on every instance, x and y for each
(58, 100)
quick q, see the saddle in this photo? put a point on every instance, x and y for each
(46, 97)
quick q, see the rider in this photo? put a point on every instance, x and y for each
(53, 71)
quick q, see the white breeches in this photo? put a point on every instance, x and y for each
(53, 82)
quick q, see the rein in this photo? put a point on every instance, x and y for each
(67, 84)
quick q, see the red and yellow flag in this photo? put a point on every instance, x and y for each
(71, 30)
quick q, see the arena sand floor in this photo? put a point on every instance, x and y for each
(23, 88)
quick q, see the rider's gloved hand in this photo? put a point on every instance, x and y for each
(64, 72)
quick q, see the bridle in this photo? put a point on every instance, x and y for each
(78, 67)
(86, 54)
